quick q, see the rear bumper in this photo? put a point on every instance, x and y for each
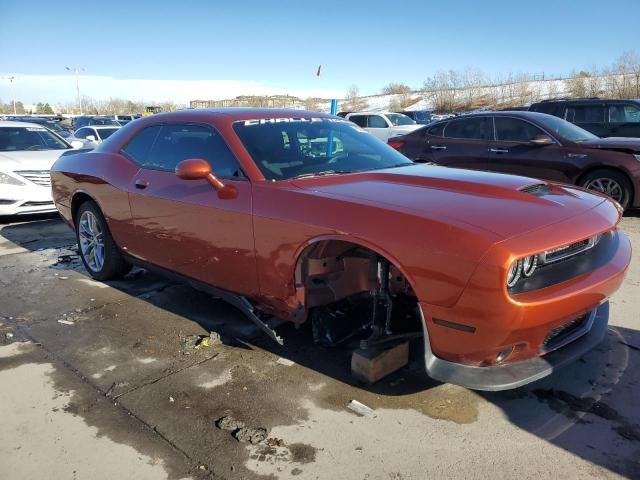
(516, 374)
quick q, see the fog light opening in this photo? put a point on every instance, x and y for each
(502, 356)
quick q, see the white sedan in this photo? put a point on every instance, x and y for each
(91, 136)
(384, 125)
(27, 152)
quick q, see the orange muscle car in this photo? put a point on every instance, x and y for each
(304, 216)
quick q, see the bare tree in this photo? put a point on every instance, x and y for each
(353, 101)
(393, 88)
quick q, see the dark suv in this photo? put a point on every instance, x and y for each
(530, 144)
(604, 118)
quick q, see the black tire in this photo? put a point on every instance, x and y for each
(113, 264)
(598, 180)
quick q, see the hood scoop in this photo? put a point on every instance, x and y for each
(537, 189)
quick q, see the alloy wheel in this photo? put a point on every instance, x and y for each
(608, 186)
(91, 241)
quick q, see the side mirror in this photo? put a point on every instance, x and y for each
(199, 169)
(542, 140)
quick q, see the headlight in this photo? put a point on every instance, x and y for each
(514, 273)
(529, 265)
(9, 180)
(523, 267)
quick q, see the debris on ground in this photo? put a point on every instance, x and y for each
(110, 390)
(229, 423)
(252, 435)
(285, 361)
(275, 442)
(199, 342)
(171, 400)
(66, 322)
(243, 433)
(8, 335)
(361, 409)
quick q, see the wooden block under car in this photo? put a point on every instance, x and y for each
(373, 364)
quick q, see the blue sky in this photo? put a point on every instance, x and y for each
(279, 44)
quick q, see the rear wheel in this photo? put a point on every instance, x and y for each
(98, 251)
(614, 184)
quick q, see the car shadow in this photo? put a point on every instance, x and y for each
(589, 408)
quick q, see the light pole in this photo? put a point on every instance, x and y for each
(11, 79)
(77, 71)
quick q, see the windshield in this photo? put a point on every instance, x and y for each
(399, 119)
(29, 138)
(565, 129)
(422, 116)
(103, 121)
(285, 148)
(105, 133)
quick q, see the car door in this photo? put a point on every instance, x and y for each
(624, 119)
(513, 152)
(184, 225)
(463, 144)
(378, 126)
(590, 116)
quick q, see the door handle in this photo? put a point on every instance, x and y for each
(438, 147)
(141, 184)
(499, 150)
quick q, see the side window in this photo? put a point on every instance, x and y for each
(437, 130)
(586, 114)
(624, 113)
(514, 130)
(93, 132)
(376, 121)
(468, 128)
(360, 120)
(178, 142)
(139, 147)
(82, 133)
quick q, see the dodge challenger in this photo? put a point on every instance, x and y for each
(304, 216)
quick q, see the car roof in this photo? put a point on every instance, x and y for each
(232, 114)
(13, 123)
(503, 113)
(384, 112)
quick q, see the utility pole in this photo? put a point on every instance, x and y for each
(77, 71)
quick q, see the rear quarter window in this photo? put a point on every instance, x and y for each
(139, 146)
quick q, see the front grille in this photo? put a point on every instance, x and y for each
(39, 177)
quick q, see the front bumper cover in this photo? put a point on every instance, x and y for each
(516, 374)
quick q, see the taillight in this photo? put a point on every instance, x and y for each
(397, 144)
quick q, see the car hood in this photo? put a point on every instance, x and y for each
(29, 160)
(489, 201)
(613, 143)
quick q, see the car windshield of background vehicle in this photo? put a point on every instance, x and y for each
(285, 148)
(565, 129)
(29, 138)
(397, 119)
(105, 133)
